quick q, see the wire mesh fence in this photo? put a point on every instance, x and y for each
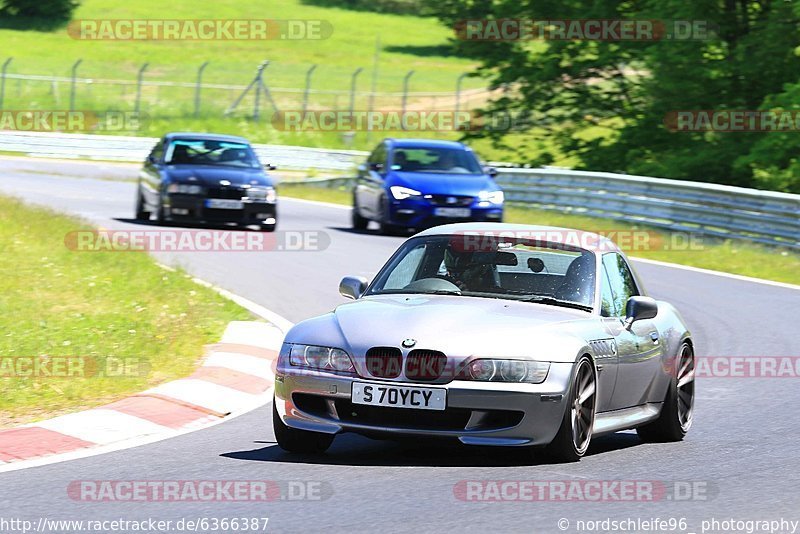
(159, 97)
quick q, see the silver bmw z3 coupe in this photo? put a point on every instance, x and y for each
(500, 334)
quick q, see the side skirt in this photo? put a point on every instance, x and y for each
(626, 418)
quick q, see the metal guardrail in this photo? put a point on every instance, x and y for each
(136, 149)
(724, 211)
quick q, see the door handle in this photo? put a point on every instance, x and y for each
(654, 336)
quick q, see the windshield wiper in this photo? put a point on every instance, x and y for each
(557, 302)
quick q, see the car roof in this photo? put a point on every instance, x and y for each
(403, 143)
(206, 136)
(552, 234)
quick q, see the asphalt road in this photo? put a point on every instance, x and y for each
(741, 454)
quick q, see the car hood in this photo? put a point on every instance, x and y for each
(444, 183)
(460, 327)
(211, 175)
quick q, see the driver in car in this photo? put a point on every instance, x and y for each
(466, 274)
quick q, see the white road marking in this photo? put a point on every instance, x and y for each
(242, 363)
(102, 426)
(255, 334)
(718, 273)
(208, 395)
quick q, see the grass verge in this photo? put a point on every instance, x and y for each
(122, 321)
(731, 256)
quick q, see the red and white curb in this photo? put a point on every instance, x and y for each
(235, 378)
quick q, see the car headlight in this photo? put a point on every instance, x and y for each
(323, 358)
(402, 193)
(495, 197)
(496, 370)
(262, 194)
(185, 189)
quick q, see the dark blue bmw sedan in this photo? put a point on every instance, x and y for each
(419, 183)
(211, 178)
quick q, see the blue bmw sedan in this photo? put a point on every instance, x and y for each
(419, 183)
(211, 178)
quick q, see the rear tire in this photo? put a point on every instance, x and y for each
(678, 409)
(294, 440)
(575, 433)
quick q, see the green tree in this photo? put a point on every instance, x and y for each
(622, 91)
(38, 12)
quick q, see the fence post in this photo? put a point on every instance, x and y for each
(405, 98)
(72, 85)
(353, 90)
(458, 97)
(308, 88)
(139, 86)
(258, 82)
(3, 81)
(197, 88)
(374, 84)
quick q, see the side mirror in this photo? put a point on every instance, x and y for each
(151, 160)
(638, 308)
(352, 287)
(492, 172)
(270, 166)
(377, 167)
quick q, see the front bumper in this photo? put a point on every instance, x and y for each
(180, 207)
(477, 413)
(418, 212)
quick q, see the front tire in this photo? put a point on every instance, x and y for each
(294, 440)
(678, 408)
(387, 228)
(160, 217)
(141, 213)
(359, 222)
(575, 434)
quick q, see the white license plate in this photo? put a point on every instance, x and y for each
(224, 204)
(399, 396)
(452, 212)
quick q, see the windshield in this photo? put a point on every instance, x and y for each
(210, 152)
(506, 268)
(438, 160)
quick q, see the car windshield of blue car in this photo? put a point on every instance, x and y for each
(504, 268)
(210, 152)
(440, 160)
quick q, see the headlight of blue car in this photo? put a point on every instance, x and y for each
(495, 197)
(402, 193)
(262, 194)
(496, 370)
(321, 358)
